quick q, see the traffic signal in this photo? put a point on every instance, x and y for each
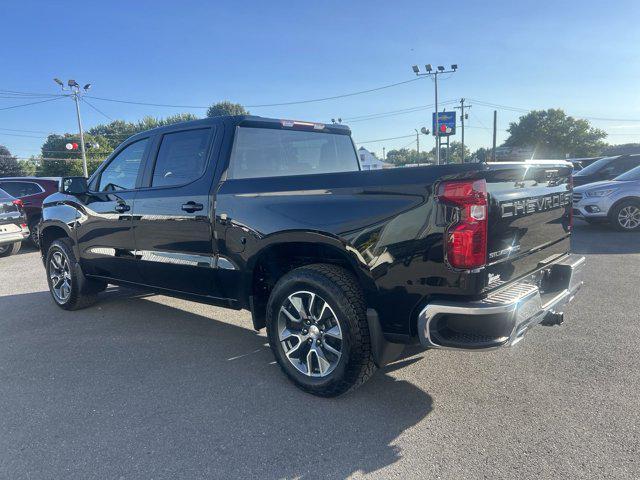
(71, 146)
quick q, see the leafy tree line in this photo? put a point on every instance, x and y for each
(404, 156)
(99, 141)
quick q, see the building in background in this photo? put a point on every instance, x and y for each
(369, 161)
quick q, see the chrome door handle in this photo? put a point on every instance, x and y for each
(191, 207)
(122, 207)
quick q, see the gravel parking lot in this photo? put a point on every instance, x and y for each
(153, 387)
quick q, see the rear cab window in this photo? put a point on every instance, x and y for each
(268, 152)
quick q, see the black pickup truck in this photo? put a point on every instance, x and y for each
(343, 267)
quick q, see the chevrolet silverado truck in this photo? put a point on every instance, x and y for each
(343, 267)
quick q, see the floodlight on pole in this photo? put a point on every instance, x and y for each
(76, 92)
(429, 71)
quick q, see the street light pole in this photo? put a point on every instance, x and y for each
(417, 142)
(76, 93)
(430, 72)
(85, 171)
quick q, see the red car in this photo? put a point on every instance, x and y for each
(31, 191)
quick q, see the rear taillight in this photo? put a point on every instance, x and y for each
(466, 237)
(18, 203)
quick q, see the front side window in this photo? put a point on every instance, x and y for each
(122, 171)
(268, 152)
(21, 189)
(181, 158)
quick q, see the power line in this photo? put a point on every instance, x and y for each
(385, 139)
(524, 110)
(295, 102)
(29, 94)
(32, 103)
(98, 110)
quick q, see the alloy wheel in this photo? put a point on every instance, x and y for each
(310, 334)
(60, 276)
(629, 217)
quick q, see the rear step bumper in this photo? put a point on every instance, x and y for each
(502, 318)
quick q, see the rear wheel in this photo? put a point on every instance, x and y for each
(69, 287)
(10, 249)
(626, 216)
(318, 331)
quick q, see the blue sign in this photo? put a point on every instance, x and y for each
(446, 123)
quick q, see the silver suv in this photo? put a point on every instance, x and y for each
(615, 201)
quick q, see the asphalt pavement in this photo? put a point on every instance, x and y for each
(142, 386)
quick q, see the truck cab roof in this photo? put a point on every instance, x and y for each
(248, 121)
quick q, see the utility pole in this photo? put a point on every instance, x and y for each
(463, 117)
(384, 154)
(495, 129)
(430, 72)
(76, 93)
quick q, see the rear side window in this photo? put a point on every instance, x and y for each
(266, 152)
(21, 189)
(182, 157)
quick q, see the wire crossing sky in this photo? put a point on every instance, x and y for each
(318, 61)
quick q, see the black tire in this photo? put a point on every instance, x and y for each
(81, 292)
(339, 289)
(34, 238)
(11, 249)
(615, 216)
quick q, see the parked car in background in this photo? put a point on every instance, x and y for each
(31, 191)
(616, 201)
(606, 168)
(13, 224)
(580, 163)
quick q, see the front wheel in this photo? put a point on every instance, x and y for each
(69, 287)
(626, 216)
(318, 331)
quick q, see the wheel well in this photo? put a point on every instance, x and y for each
(49, 235)
(277, 260)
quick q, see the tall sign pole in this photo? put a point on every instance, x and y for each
(431, 72)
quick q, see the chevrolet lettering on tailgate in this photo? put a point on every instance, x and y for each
(527, 206)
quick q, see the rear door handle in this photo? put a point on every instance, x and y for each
(192, 207)
(122, 207)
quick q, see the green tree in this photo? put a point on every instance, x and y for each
(226, 108)
(623, 149)
(100, 141)
(554, 134)
(68, 162)
(9, 165)
(482, 155)
(454, 155)
(404, 156)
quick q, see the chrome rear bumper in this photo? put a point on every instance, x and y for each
(502, 318)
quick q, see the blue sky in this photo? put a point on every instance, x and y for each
(577, 55)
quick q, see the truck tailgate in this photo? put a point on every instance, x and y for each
(529, 205)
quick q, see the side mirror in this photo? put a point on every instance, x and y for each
(73, 185)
